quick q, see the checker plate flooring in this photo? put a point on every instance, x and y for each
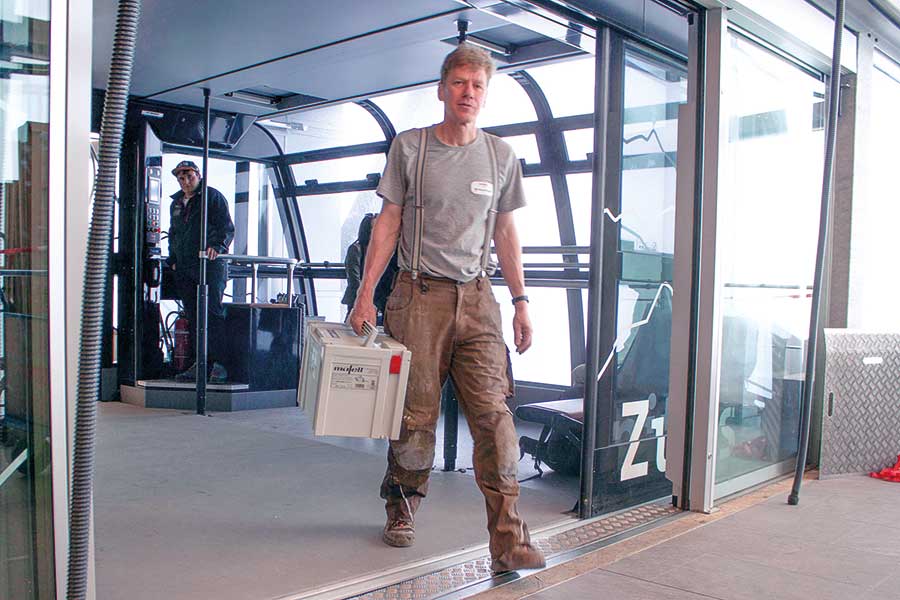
(463, 575)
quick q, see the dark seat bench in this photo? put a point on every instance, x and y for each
(559, 444)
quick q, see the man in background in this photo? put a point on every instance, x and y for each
(184, 259)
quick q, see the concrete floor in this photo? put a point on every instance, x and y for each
(841, 542)
(251, 505)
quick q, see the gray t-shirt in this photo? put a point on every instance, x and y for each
(456, 195)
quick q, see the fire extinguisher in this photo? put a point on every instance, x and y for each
(182, 355)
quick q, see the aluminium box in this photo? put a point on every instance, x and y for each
(350, 385)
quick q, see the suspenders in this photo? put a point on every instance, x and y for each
(487, 268)
(418, 214)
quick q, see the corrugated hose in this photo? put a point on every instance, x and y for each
(96, 271)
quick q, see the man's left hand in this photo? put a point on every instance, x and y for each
(211, 253)
(522, 328)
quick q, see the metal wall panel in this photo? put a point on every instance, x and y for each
(861, 416)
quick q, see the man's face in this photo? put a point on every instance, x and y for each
(463, 93)
(188, 179)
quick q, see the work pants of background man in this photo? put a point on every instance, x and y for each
(455, 329)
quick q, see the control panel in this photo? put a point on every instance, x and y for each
(152, 229)
(153, 201)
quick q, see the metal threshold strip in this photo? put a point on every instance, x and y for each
(460, 574)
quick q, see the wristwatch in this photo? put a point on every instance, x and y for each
(522, 298)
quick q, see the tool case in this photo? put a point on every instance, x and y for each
(352, 385)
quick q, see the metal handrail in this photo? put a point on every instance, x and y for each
(293, 264)
(555, 250)
(556, 266)
(255, 261)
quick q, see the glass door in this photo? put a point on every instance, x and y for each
(637, 280)
(26, 532)
(770, 191)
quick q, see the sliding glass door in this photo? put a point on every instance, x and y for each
(636, 306)
(26, 532)
(768, 215)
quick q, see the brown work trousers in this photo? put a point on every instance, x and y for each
(454, 328)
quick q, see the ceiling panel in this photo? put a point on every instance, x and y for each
(180, 42)
(400, 57)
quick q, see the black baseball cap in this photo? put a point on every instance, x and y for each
(185, 164)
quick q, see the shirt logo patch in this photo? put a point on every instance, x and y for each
(482, 188)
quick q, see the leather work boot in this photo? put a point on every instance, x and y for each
(399, 533)
(400, 530)
(523, 556)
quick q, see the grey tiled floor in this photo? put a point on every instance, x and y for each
(841, 542)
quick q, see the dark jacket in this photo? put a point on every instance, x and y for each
(353, 266)
(184, 230)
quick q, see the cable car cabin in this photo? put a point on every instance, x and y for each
(298, 163)
(303, 107)
(667, 148)
(302, 114)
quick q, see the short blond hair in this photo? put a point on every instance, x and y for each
(468, 55)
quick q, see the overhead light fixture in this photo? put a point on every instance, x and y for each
(489, 46)
(252, 98)
(462, 29)
(292, 126)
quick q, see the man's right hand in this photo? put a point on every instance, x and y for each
(363, 310)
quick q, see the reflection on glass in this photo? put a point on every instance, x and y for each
(810, 24)
(634, 373)
(876, 210)
(650, 137)
(26, 531)
(341, 125)
(770, 188)
(569, 86)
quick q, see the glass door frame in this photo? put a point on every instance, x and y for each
(695, 369)
(70, 195)
(603, 286)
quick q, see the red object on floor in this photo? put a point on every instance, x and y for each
(889, 474)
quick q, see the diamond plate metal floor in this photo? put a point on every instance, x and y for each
(478, 570)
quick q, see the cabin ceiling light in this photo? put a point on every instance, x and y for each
(291, 126)
(462, 28)
(489, 46)
(252, 98)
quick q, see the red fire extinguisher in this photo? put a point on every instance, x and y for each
(181, 357)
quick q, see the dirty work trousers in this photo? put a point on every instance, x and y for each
(454, 328)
